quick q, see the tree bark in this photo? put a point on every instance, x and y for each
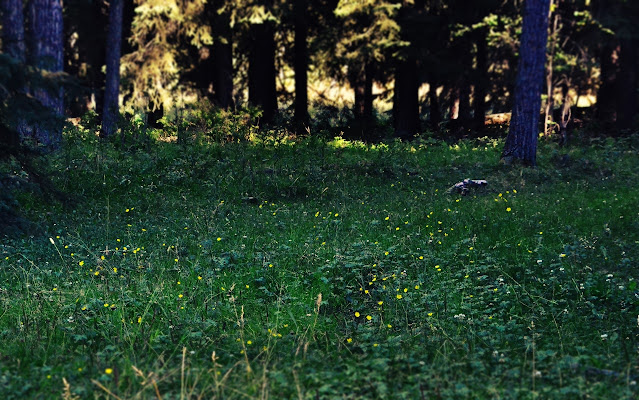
(459, 115)
(565, 116)
(85, 50)
(465, 115)
(481, 81)
(153, 117)
(550, 89)
(433, 100)
(606, 97)
(369, 72)
(357, 81)
(13, 29)
(464, 84)
(361, 80)
(46, 51)
(111, 108)
(627, 84)
(262, 74)
(13, 44)
(455, 98)
(301, 64)
(521, 143)
(222, 58)
(406, 99)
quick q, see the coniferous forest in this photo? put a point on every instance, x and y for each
(322, 199)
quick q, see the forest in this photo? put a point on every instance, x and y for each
(349, 199)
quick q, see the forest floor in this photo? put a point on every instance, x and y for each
(326, 269)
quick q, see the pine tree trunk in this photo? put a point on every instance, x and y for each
(153, 117)
(433, 100)
(262, 74)
(110, 111)
(465, 112)
(223, 74)
(406, 99)
(480, 90)
(369, 72)
(627, 85)
(455, 97)
(361, 80)
(550, 89)
(521, 143)
(13, 29)
(46, 51)
(222, 58)
(357, 81)
(301, 64)
(13, 44)
(466, 56)
(606, 97)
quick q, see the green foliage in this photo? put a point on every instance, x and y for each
(375, 36)
(161, 35)
(197, 270)
(368, 32)
(213, 124)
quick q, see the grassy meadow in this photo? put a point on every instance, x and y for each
(317, 269)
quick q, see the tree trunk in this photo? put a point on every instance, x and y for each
(460, 111)
(222, 57)
(465, 115)
(406, 99)
(262, 74)
(153, 117)
(13, 29)
(550, 102)
(46, 48)
(480, 90)
(357, 81)
(223, 74)
(301, 64)
(627, 85)
(361, 80)
(464, 84)
(455, 98)
(111, 109)
(128, 14)
(85, 51)
(433, 100)
(13, 44)
(565, 116)
(521, 143)
(369, 71)
(606, 97)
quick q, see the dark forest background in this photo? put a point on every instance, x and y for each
(367, 69)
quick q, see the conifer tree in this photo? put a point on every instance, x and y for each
(368, 37)
(162, 33)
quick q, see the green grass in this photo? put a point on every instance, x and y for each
(326, 270)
